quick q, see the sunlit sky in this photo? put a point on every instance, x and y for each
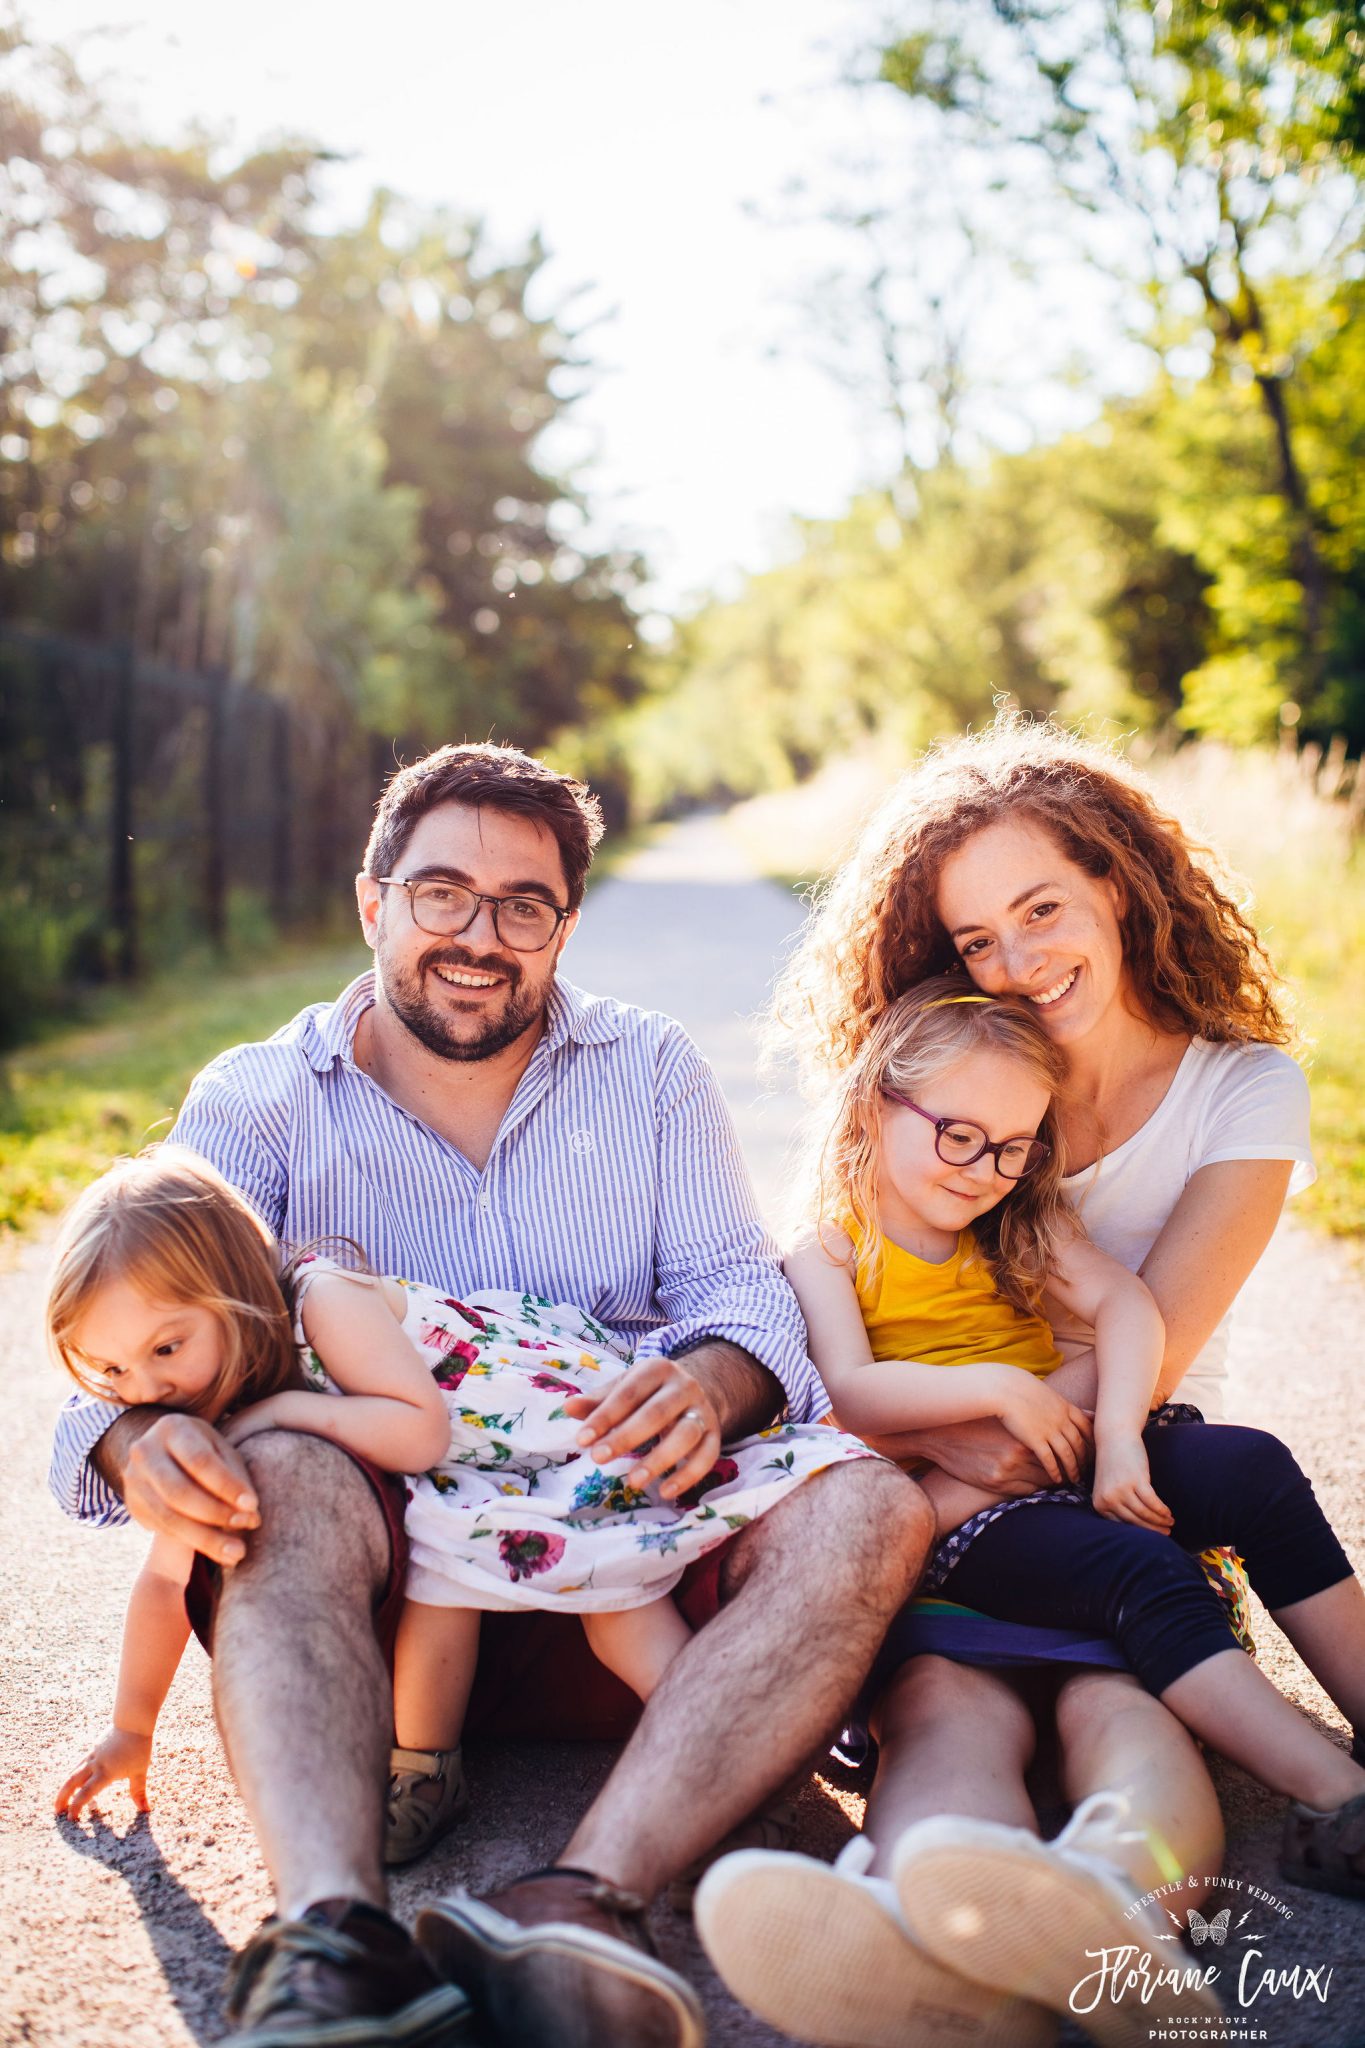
(652, 148)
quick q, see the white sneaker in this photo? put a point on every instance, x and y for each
(1028, 1917)
(821, 1952)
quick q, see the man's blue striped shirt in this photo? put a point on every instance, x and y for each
(615, 1181)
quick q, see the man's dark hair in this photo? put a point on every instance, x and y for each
(502, 778)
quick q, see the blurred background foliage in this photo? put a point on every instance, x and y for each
(298, 472)
(1192, 560)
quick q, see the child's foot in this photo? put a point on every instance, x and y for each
(1025, 1917)
(427, 1795)
(1326, 1851)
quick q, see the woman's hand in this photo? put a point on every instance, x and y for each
(119, 1754)
(1057, 1434)
(1123, 1487)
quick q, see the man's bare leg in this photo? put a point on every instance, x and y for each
(300, 1688)
(809, 1592)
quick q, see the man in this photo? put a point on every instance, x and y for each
(464, 1114)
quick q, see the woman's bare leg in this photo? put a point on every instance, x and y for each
(1115, 1737)
(953, 1739)
(638, 1644)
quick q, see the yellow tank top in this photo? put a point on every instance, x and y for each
(949, 1314)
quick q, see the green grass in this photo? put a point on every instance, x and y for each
(77, 1099)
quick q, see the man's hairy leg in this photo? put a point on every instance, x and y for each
(809, 1591)
(300, 1688)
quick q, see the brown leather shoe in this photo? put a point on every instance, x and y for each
(343, 1976)
(561, 1959)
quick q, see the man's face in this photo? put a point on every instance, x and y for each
(470, 996)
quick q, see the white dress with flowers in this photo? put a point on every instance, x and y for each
(517, 1514)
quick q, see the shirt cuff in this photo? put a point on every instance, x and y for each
(806, 1399)
(74, 1483)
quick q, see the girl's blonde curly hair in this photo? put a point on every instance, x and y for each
(913, 1041)
(1195, 962)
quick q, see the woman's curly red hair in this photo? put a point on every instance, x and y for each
(1195, 962)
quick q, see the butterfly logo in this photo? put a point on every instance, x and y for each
(1202, 1930)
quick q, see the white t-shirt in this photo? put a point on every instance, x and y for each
(1225, 1102)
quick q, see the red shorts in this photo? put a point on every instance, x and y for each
(537, 1679)
(206, 1578)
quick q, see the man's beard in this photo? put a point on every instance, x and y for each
(439, 1033)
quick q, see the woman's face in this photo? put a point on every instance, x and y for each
(1027, 921)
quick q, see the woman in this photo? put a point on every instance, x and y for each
(1038, 865)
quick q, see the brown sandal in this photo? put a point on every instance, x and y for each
(427, 1795)
(1326, 1851)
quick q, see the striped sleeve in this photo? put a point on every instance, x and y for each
(233, 1130)
(74, 1483)
(716, 1267)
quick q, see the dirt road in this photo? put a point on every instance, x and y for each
(118, 1932)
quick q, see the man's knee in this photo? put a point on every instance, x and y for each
(314, 1499)
(863, 1526)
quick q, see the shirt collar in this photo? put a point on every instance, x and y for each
(571, 1014)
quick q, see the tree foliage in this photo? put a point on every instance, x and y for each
(312, 457)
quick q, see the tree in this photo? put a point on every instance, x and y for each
(1222, 141)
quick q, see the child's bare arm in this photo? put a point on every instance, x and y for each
(394, 1413)
(155, 1632)
(882, 1397)
(1130, 1341)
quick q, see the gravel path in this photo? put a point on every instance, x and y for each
(118, 1931)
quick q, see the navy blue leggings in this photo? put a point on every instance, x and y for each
(1054, 1564)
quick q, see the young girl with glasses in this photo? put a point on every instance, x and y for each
(167, 1292)
(942, 1238)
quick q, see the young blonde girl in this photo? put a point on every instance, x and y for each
(939, 1249)
(167, 1291)
(942, 1239)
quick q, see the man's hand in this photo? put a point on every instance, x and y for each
(662, 1399)
(180, 1479)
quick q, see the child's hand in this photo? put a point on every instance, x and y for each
(1123, 1487)
(119, 1754)
(1057, 1434)
(252, 1421)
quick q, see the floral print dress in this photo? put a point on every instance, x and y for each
(517, 1514)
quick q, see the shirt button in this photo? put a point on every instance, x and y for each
(484, 1198)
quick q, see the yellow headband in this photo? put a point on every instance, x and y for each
(942, 1002)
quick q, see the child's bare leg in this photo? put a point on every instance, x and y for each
(433, 1670)
(1328, 1631)
(639, 1643)
(1237, 1711)
(953, 1500)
